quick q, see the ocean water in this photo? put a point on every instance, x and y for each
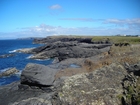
(19, 60)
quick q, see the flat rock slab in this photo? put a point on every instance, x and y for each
(37, 74)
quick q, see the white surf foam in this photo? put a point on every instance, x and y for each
(12, 51)
(29, 57)
(37, 59)
(3, 70)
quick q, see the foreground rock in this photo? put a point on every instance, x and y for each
(12, 95)
(99, 87)
(38, 75)
(9, 72)
(109, 85)
(131, 85)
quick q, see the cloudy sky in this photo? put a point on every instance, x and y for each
(41, 18)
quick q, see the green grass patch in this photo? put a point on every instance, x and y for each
(118, 39)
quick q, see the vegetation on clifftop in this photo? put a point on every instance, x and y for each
(118, 39)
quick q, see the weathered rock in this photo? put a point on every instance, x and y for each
(121, 44)
(6, 55)
(133, 68)
(67, 50)
(33, 101)
(11, 95)
(131, 85)
(52, 39)
(9, 72)
(99, 87)
(25, 50)
(67, 47)
(110, 85)
(38, 75)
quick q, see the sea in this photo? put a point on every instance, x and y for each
(19, 60)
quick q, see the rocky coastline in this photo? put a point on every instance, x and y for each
(96, 78)
(67, 47)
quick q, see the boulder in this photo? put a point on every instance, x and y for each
(38, 75)
(9, 72)
(135, 68)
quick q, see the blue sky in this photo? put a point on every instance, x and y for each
(40, 18)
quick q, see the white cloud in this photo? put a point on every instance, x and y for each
(78, 19)
(135, 21)
(124, 26)
(55, 7)
(46, 30)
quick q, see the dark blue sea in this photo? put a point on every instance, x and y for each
(19, 60)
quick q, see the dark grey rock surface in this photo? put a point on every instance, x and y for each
(67, 47)
(65, 50)
(52, 39)
(36, 74)
(12, 95)
(109, 85)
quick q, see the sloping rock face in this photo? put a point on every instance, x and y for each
(36, 74)
(65, 50)
(100, 87)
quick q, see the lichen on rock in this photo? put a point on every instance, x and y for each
(99, 87)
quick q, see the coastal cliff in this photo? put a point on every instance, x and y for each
(83, 73)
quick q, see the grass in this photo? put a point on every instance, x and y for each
(114, 39)
(118, 39)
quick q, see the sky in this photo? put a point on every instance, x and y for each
(41, 18)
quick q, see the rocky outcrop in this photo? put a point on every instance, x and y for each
(110, 85)
(96, 81)
(67, 47)
(131, 85)
(38, 75)
(9, 72)
(99, 87)
(6, 55)
(25, 50)
(122, 44)
(52, 39)
(12, 95)
(65, 50)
